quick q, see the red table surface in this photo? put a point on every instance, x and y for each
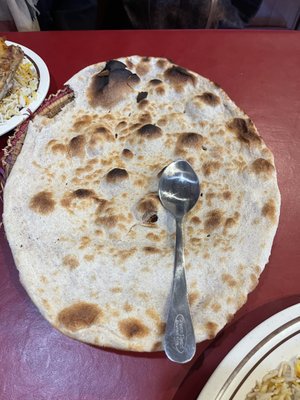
(260, 72)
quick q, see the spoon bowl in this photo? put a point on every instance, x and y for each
(179, 191)
(179, 188)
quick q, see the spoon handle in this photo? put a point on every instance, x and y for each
(179, 341)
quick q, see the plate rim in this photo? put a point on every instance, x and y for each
(43, 88)
(242, 353)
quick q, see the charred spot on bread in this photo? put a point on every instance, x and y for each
(83, 193)
(155, 82)
(111, 85)
(142, 68)
(82, 122)
(149, 131)
(244, 130)
(227, 195)
(141, 96)
(210, 166)
(213, 220)
(127, 153)
(210, 99)
(145, 118)
(193, 297)
(133, 328)
(116, 175)
(211, 329)
(79, 315)
(114, 65)
(262, 166)
(76, 146)
(108, 221)
(143, 104)
(71, 261)
(149, 203)
(149, 217)
(151, 250)
(42, 203)
(178, 75)
(189, 140)
(269, 210)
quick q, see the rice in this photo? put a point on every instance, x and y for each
(280, 384)
(23, 92)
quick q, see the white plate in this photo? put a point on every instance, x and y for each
(275, 340)
(44, 82)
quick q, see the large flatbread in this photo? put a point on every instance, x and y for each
(94, 246)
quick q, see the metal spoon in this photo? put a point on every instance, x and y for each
(179, 190)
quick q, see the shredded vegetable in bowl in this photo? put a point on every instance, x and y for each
(280, 384)
(23, 92)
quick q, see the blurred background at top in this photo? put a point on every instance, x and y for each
(32, 15)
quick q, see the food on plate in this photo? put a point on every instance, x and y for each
(280, 384)
(94, 246)
(18, 81)
(10, 58)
